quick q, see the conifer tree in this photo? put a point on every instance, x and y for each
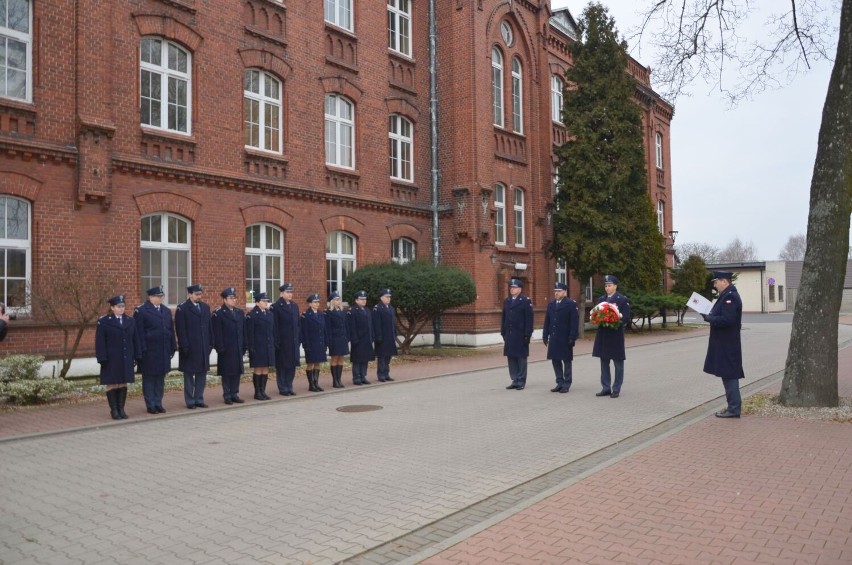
(604, 221)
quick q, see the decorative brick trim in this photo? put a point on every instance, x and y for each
(343, 223)
(268, 215)
(402, 107)
(263, 59)
(396, 231)
(168, 27)
(153, 202)
(342, 85)
(15, 184)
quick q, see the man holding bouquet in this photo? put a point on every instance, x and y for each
(609, 340)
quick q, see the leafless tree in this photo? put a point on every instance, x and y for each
(705, 38)
(794, 249)
(738, 251)
(709, 253)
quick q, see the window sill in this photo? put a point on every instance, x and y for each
(342, 171)
(266, 153)
(17, 104)
(401, 56)
(148, 131)
(341, 30)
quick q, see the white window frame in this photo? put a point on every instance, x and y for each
(561, 271)
(557, 88)
(500, 214)
(590, 290)
(399, 26)
(269, 135)
(339, 132)
(269, 275)
(173, 285)
(335, 261)
(517, 95)
(518, 207)
(339, 13)
(403, 250)
(166, 75)
(497, 86)
(16, 244)
(659, 149)
(661, 217)
(401, 148)
(8, 34)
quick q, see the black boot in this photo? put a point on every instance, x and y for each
(261, 383)
(336, 374)
(121, 398)
(112, 398)
(312, 383)
(316, 380)
(255, 379)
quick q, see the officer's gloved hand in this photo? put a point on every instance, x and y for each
(545, 342)
(172, 355)
(526, 340)
(705, 317)
(570, 343)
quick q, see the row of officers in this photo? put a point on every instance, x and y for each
(271, 333)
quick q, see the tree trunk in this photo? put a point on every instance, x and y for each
(810, 375)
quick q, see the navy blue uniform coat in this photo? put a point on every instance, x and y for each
(194, 330)
(260, 337)
(724, 350)
(609, 343)
(359, 322)
(336, 335)
(384, 329)
(287, 318)
(117, 347)
(516, 326)
(158, 338)
(561, 328)
(313, 336)
(228, 340)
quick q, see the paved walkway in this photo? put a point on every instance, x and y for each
(499, 476)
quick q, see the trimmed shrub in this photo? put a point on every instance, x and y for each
(21, 384)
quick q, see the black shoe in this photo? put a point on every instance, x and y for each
(283, 393)
(191, 406)
(511, 387)
(519, 388)
(201, 405)
(563, 390)
(365, 382)
(357, 383)
(388, 379)
(160, 410)
(614, 395)
(603, 393)
(238, 400)
(726, 414)
(291, 393)
(228, 401)
(152, 411)
(557, 388)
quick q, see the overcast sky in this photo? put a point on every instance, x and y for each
(742, 172)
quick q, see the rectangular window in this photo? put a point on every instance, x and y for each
(339, 13)
(519, 218)
(661, 217)
(590, 290)
(399, 26)
(772, 293)
(165, 83)
(659, 150)
(500, 214)
(556, 99)
(780, 293)
(16, 50)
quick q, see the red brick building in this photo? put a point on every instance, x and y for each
(246, 142)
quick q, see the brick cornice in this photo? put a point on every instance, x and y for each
(41, 150)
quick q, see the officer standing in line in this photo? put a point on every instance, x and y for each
(359, 322)
(312, 332)
(154, 324)
(117, 347)
(260, 342)
(561, 328)
(194, 330)
(516, 327)
(286, 315)
(724, 350)
(228, 322)
(336, 337)
(609, 342)
(384, 330)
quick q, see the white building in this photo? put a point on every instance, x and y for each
(762, 284)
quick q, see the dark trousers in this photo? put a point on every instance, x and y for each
(563, 371)
(383, 368)
(284, 378)
(606, 377)
(518, 370)
(152, 390)
(193, 387)
(359, 372)
(732, 394)
(230, 387)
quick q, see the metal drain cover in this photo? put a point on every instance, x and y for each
(359, 408)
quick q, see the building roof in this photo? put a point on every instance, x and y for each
(746, 266)
(564, 22)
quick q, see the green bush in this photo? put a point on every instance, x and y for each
(21, 384)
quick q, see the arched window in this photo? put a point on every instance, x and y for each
(339, 131)
(339, 13)
(500, 214)
(399, 26)
(16, 50)
(659, 150)
(165, 255)
(517, 96)
(661, 216)
(166, 85)
(400, 143)
(264, 259)
(497, 85)
(261, 110)
(403, 251)
(519, 218)
(15, 251)
(339, 259)
(557, 87)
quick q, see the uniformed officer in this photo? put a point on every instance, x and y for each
(516, 327)
(228, 322)
(384, 331)
(724, 350)
(154, 325)
(561, 328)
(117, 347)
(260, 342)
(194, 330)
(286, 315)
(312, 331)
(609, 342)
(336, 337)
(359, 322)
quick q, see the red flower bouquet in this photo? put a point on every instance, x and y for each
(606, 315)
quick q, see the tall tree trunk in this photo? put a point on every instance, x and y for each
(810, 375)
